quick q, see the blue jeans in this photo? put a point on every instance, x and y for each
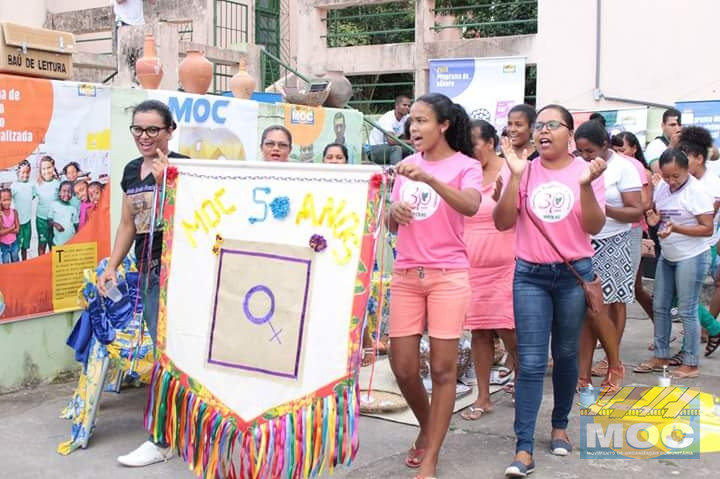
(151, 304)
(548, 301)
(682, 279)
(151, 300)
(9, 252)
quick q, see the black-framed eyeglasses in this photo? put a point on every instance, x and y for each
(280, 144)
(150, 131)
(551, 125)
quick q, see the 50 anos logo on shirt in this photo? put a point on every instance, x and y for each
(552, 201)
(423, 200)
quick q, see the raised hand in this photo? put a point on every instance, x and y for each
(412, 171)
(401, 212)
(159, 164)
(498, 189)
(652, 217)
(593, 171)
(517, 164)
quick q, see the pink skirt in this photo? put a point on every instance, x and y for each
(491, 303)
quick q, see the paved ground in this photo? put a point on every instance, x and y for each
(30, 431)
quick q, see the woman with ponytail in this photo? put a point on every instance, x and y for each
(435, 189)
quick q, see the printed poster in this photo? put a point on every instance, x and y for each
(486, 87)
(54, 177)
(314, 128)
(702, 113)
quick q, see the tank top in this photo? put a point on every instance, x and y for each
(7, 222)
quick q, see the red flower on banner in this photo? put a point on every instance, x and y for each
(171, 174)
(376, 180)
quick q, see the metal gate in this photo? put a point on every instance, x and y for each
(230, 26)
(267, 33)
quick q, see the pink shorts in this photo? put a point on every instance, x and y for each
(436, 299)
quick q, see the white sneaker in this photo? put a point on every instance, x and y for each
(148, 453)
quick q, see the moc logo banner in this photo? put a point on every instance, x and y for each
(642, 423)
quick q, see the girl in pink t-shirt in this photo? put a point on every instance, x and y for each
(433, 192)
(492, 262)
(559, 194)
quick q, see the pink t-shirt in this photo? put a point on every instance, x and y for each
(644, 180)
(554, 198)
(434, 239)
(85, 208)
(8, 220)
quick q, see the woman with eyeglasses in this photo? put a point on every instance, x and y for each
(276, 143)
(557, 204)
(683, 209)
(623, 206)
(152, 127)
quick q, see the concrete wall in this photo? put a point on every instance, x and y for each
(657, 51)
(34, 351)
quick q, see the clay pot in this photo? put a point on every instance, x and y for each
(242, 83)
(195, 72)
(148, 69)
(340, 89)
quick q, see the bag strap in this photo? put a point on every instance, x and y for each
(542, 230)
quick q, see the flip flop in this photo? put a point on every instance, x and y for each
(414, 457)
(474, 413)
(685, 375)
(500, 375)
(647, 367)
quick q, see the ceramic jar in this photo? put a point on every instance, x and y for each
(148, 69)
(242, 84)
(195, 72)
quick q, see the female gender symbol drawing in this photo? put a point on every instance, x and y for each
(271, 310)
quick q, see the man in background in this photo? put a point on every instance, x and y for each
(671, 126)
(384, 150)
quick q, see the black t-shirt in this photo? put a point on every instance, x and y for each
(141, 193)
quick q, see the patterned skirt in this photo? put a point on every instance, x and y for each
(613, 263)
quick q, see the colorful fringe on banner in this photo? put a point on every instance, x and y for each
(318, 436)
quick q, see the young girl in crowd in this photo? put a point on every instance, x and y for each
(519, 130)
(696, 142)
(683, 211)
(335, 153)
(434, 189)
(623, 206)
(9, 227)
(556, 204)
(81, 193)
(492, 262)
(71, 171)
(47, 193)
(95, 192)
(63, 216)
(23, 194)
(626, 143)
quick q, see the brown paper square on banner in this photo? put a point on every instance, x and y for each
(260, 307)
